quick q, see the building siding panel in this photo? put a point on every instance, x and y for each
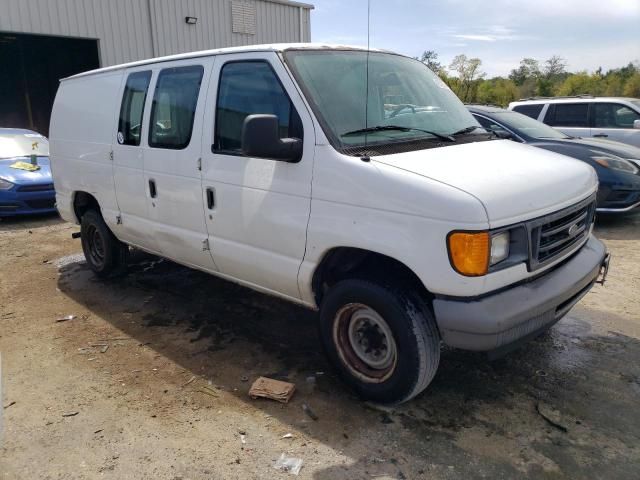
(130, 30)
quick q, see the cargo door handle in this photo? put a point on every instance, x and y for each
(153, 192)
(211, 201)
(601, 135)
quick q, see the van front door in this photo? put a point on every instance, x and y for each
(614, 121)
(257, 209)
(172, 153)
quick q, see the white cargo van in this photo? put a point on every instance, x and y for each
(347, 181)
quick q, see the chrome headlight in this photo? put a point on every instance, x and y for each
(5, 184)
(499, 247)
(616, 163)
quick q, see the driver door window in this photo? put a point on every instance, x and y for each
(247, 88)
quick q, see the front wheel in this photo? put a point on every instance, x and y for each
(383, 340)
(105, 254)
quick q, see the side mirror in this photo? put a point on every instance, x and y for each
(636, 124)
(260, 138)
(503, 134)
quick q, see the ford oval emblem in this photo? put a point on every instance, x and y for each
(573, 229)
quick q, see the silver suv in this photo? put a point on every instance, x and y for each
(610, 118)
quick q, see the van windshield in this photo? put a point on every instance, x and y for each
(403, 93)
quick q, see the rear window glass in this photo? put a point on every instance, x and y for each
(132, 107)
(529, 110)
(174, 107)
(22, 143)
(568, 115)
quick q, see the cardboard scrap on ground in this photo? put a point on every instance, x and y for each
(273, 389)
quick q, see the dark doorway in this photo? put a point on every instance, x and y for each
(31, 67)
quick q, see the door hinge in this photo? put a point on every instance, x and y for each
(118, 219)
(111, 155)
(205, 245)
(200, 164)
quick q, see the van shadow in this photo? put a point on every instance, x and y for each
(477, 418)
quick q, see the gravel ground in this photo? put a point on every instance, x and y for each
(150, 380)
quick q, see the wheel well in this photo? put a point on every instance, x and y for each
(346, 262)
(82, 202)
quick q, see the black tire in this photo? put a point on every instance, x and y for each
(105, 254)
(415, 345)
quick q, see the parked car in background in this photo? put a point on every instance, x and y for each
(617, 164)
(26, 186)
(405, 226)
(613, 118)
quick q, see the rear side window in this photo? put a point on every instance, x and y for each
(613, 115)
(248, 88)
(568, 115)
(532, 111)
(132, 107)
(174, 107)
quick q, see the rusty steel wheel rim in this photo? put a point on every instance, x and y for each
(365, 342)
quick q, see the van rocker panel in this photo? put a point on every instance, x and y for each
(501, 319)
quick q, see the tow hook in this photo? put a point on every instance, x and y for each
(604, 269)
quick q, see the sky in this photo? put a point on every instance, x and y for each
(587, 33)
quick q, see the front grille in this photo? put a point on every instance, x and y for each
(41, 203)
(9, 206)
(558, 233)
(44, 187)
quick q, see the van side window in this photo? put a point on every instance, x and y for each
(247, 88)
(132, 107)
(568, 115)
(174, 107)
(613, 115)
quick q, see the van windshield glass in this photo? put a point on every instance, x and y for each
(403, 93)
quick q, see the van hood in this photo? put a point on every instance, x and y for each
(514, 182)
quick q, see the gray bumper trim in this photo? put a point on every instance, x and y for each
(501, 319)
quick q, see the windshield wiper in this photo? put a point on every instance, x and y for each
(382, 128)
(465, 130)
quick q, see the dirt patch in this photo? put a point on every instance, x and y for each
(142, 414)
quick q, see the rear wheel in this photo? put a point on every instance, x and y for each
(105, 254)
(383, 340)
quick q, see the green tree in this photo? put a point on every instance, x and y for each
(430, 59)
(529, 68)
(632, 86)
(554, 67)
(497, 91)
(468, 73)
(578, 84)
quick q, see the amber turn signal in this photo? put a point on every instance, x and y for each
(469, 252)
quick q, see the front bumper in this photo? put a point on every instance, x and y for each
(23, 203)
(618, 200)
(503, 320)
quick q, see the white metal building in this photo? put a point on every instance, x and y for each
(42, 41)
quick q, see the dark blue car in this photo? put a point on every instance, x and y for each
(617, 164)
(26, 186)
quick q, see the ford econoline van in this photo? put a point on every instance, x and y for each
(345, 180)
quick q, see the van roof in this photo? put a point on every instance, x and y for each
(275, 47)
